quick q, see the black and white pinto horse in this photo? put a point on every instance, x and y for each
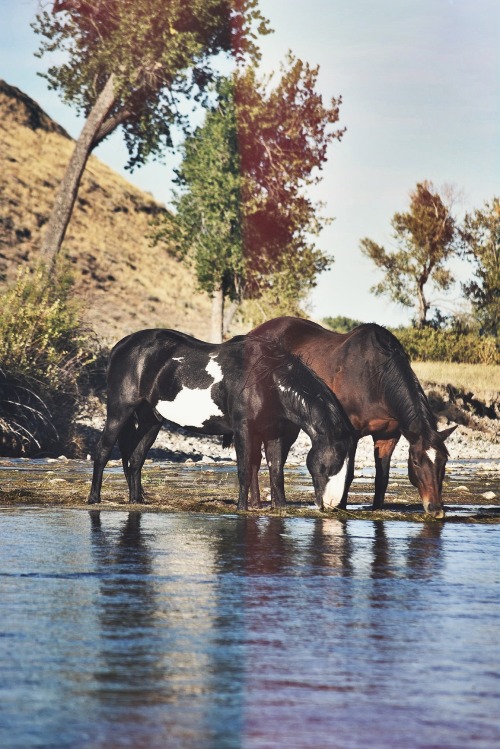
(244, 387)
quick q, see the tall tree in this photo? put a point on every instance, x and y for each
(426, 236)
(243, 215)
(128, 63)
(480, 232)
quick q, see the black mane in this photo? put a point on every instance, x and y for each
(309, 396)
(400, 385)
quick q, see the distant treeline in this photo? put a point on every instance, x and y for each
(435, 344)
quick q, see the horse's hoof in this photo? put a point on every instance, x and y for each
(93, 500)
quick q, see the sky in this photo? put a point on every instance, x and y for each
(419, 80)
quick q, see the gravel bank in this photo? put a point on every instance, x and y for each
(463, 444)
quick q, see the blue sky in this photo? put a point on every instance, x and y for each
(421, 100)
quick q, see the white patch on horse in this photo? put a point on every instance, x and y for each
(177, 358)
(335, 487)
(191, 407)
(214, 369)
(431, 454)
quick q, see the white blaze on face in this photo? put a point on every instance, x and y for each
(334, 489)
(193, 406)
(431, 454)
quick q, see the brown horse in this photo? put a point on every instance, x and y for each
(370, 373)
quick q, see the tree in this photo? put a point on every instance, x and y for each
(243, 216)
(480, 233)
(129, 63)
(426, 237)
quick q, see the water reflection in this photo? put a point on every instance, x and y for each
(128, 672)
(232, 631)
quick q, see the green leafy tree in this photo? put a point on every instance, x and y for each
(128, 64)
(480, 233)
(207, 229)
(426, 237)
(243, 216)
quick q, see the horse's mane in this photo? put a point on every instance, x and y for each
(398, 381)
(300, 387)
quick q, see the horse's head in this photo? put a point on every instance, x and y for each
(331, 464)
(426, 464)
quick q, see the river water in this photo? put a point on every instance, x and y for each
(145, 630)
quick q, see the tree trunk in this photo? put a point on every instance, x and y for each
(229, 315)
(217, 326)
(422, 307)
(68, 189)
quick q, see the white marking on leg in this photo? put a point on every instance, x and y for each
(191, 407)
(431, 454)
(334, 489)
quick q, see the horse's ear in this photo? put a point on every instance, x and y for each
(445, 433)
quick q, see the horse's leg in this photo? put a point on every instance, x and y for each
(276, 454)
(127, 442)
(134, 441)
(138, 457)
(115, 421)
(248, 456)
(383, 449)
(256, 459)
(343, 502)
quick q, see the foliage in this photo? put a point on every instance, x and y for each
(242, 215)
(132, 63)
(429, 344)
(43, 352)
(341, 324)
(480, 233)
(426, 237)
(208, 222)
(159, 52)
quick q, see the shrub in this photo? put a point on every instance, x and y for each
(429, 344)
(340, 324)
(43, 352)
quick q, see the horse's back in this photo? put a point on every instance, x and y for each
(349, 363)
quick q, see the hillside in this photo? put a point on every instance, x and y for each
(123, 282)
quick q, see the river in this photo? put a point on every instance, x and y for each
(183, 630)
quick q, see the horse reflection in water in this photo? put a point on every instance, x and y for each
(324, 546)
(127, 610)
(253, 390)
(370, 373)
(205, 620)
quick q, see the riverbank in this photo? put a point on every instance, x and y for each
(178, 446)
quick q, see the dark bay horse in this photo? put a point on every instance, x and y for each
(251, 389)
(370, 373)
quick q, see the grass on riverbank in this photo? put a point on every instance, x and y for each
(483, 380)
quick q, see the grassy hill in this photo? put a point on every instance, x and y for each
(123, 282)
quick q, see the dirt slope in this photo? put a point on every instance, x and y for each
(124, 283)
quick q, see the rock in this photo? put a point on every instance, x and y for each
(489, 495)
(462, 489)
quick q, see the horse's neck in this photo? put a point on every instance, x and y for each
(311, 419)
(409, 404)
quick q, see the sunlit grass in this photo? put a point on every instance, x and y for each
(479, 379)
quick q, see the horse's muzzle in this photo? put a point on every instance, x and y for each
(435, 511)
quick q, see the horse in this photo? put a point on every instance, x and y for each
(370, 373)
(244, 388)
